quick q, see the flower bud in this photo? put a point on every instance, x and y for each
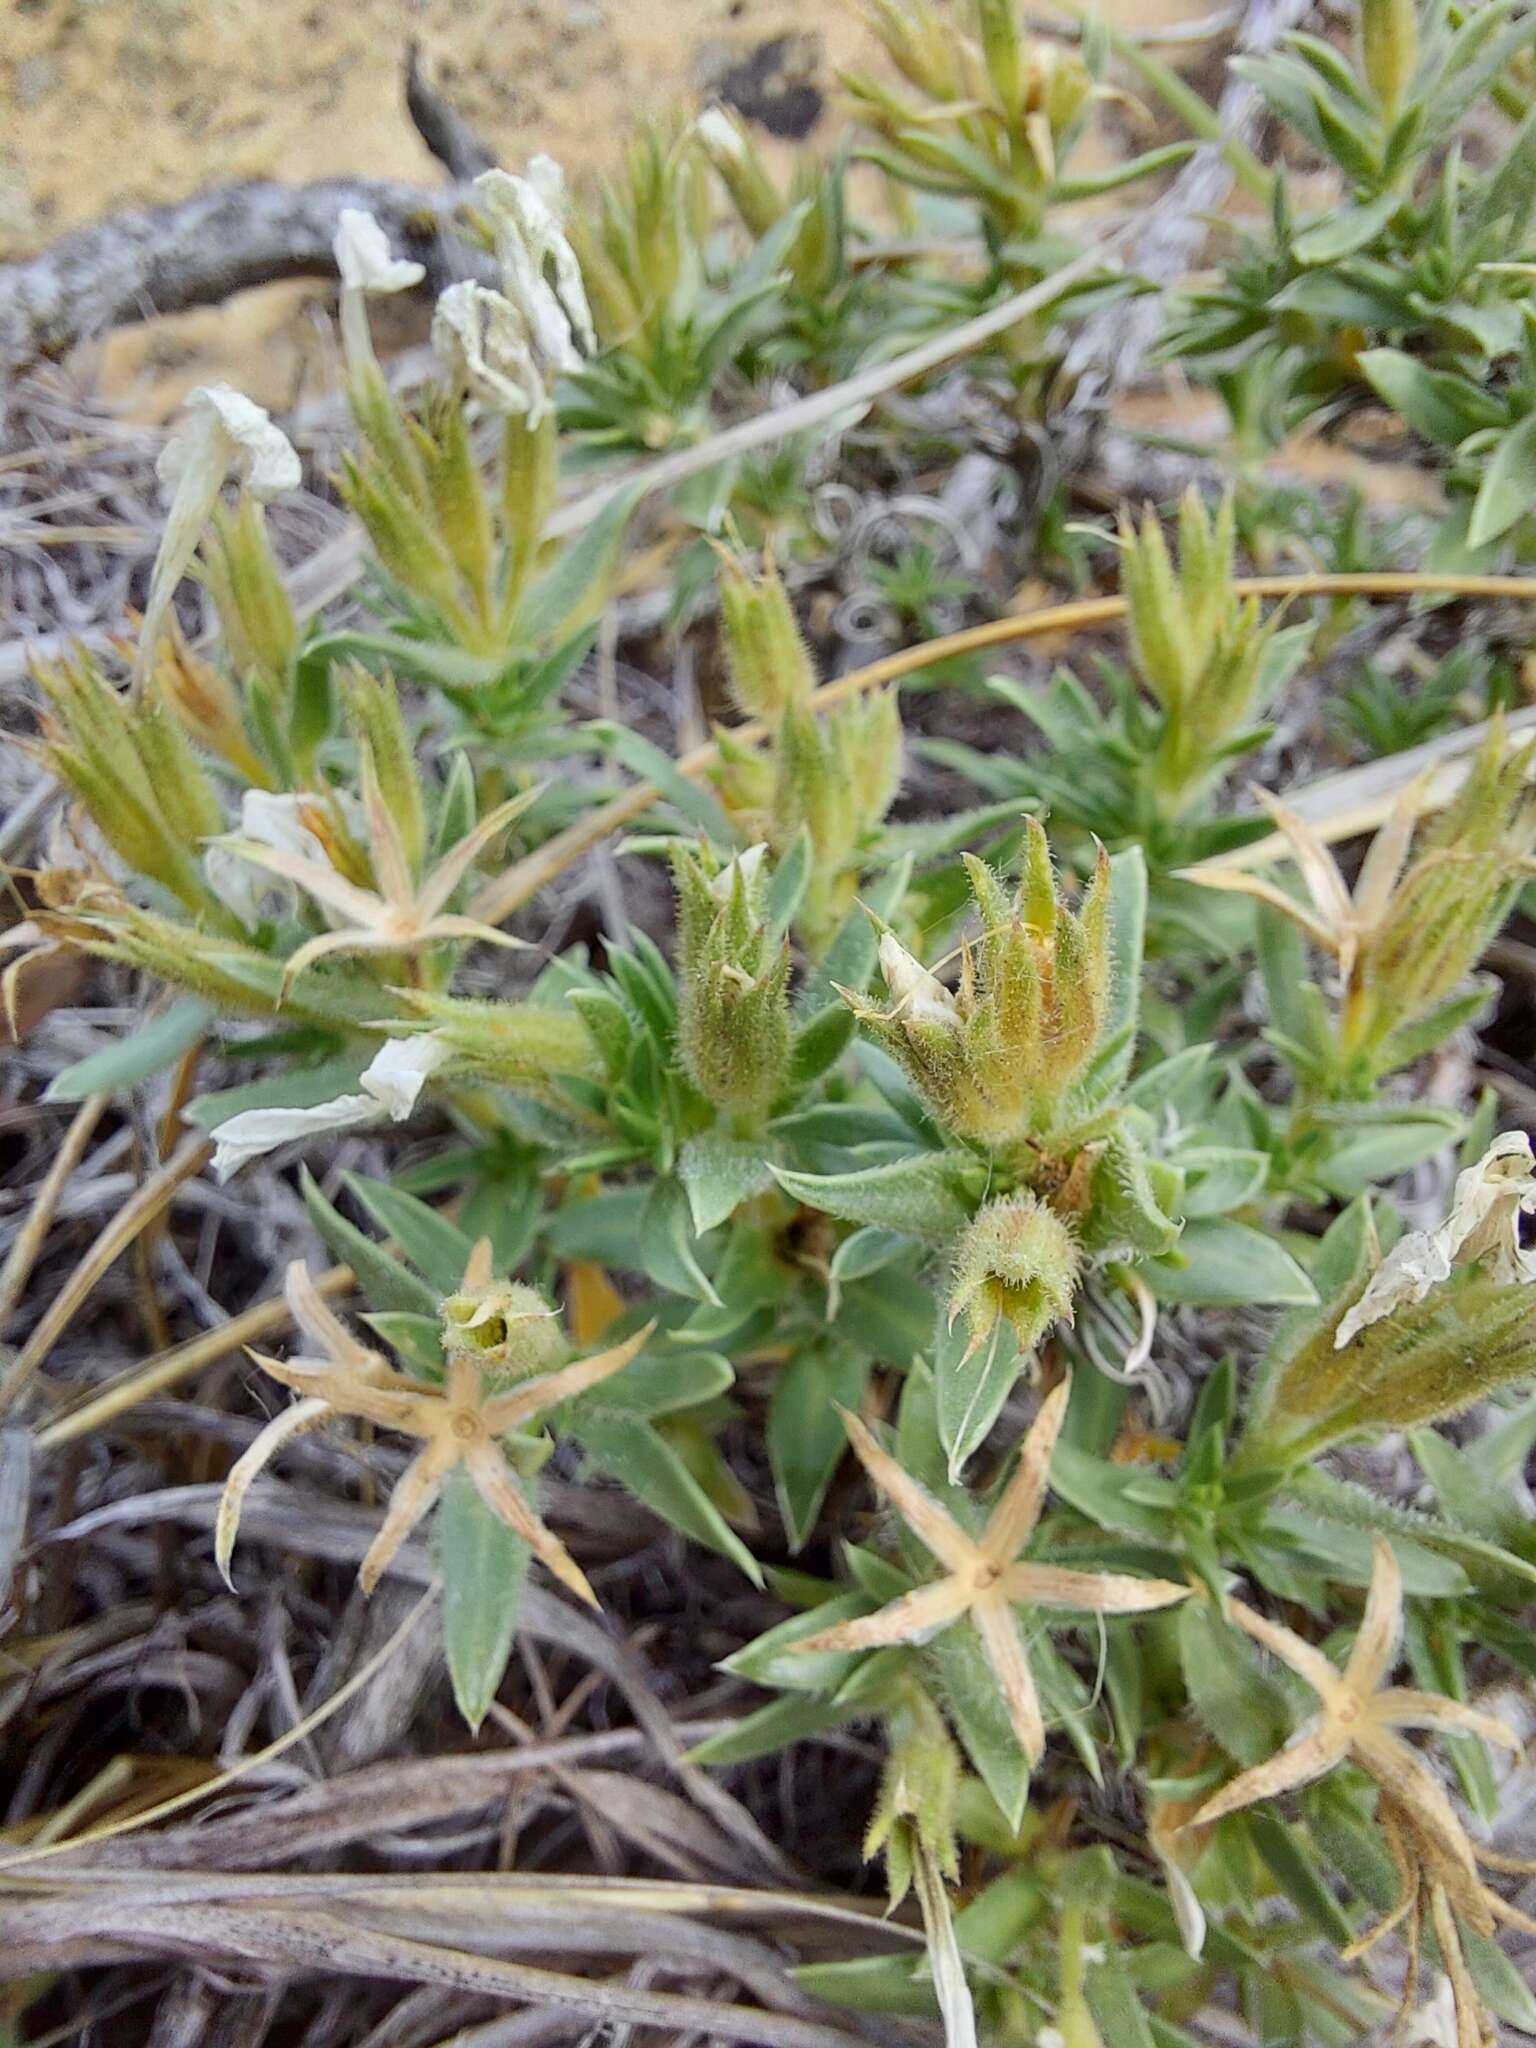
(1450, 900)
(733, 1003)
(1131, 1200)
(918, 1790)
(528, 463)
(130, 765)
(996, 1059)
(246, 585)
(1002, 47)
(739, 168)
(508, 1329)
(835, 776)
(373, 711)
(1389, 36)
(521, 1045)
(205, 703)
(770, 667)
(1016, 1261)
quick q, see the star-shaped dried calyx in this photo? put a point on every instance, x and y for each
(460, 1421)
(404, 913)
(1425, 901)
(1337, 922)
(986, 1578)
(1358, 1722)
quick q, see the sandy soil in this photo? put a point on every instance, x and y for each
(106, 104)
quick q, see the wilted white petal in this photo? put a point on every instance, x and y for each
(919, 995)
(748, 865)
(364, 258)
(257, 1131)
(1489, 1200)
(483, 340)
(221, 426)
(1188, 1912)
(1415, 1264)
(720, 134)
(240, 887)
(221, 433)
(548, 180)
(1434, 2024)
(277, 819)
(1483, 1227)
(399, 1070)
(530, 245)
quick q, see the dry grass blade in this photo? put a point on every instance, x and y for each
(135, 1215)
(1360, 800)
(339, 1533)
(22, 1256)
(158, 1375)
(481, 1897)
(523, 881)
(332, 1943)
(363, 1676)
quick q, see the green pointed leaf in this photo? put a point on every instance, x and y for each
(772, 1659)
(483, 1567)
(1438, 404)
(1299, 1878)
(1219, 1262)
(791, 878)
(971, 1391)
(1113, 2002)
(438, 1249)
(1345, 230)
(1508, 488)
(384, 1281)
(1127, 943)
(775, 1727)
(975, 1704)
(577, 587)
(148, 1050)
(647, 1466)
(917, 1195)
(666, 1249)
(719, 1174)
(806, 1439)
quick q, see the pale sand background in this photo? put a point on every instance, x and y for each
(106, 104)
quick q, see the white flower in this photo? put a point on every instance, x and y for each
(748, 865)
(367, 264)
(918, 995)
(1434, 2024)
(548, 180)
(268, 819)
(399, 1070)
(390, 1083)
(1483, 1226)
(364, 258)
(221, 425)
(221, 433)
(482, 340)
(719, 134)
(530, 245)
